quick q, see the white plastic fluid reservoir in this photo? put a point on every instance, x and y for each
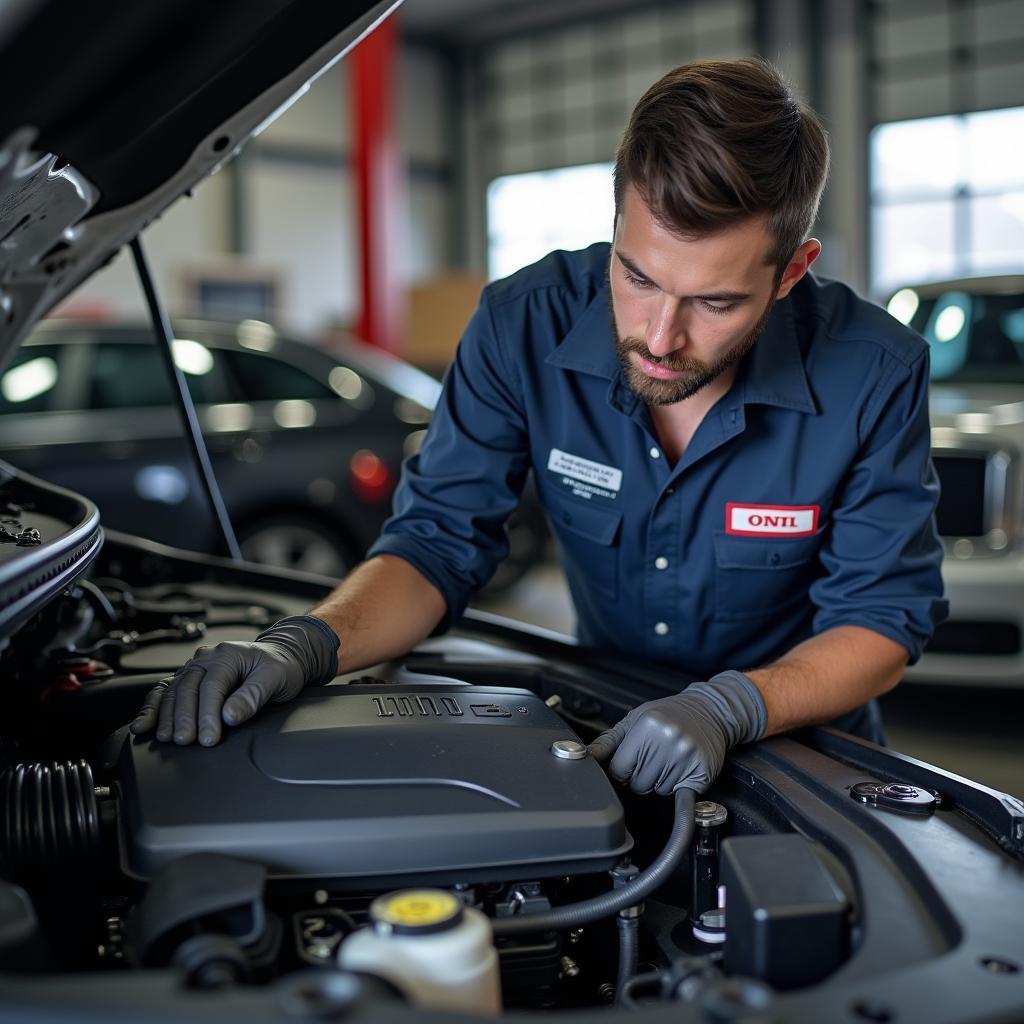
(437, 952)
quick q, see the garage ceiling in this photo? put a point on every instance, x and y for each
(467, 21)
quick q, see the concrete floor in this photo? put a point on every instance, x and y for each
(974, 732)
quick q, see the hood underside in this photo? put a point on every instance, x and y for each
(112, 111)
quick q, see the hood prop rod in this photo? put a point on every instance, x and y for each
(183, 400)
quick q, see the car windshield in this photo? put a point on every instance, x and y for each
(974, 338)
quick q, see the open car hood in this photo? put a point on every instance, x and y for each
(113, 111)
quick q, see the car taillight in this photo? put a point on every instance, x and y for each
(371, 478)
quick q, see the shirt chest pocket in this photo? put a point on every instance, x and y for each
(758, 577)
(589, 537)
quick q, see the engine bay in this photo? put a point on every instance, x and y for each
(274, 843)
(277, 840)
(454, 784)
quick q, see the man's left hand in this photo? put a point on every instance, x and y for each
(682, 740)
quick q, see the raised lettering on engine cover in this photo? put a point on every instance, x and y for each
(416, 706)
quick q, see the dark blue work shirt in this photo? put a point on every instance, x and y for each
(804, 501)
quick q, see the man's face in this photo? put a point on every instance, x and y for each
(685, 311)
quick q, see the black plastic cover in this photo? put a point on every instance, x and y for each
(204, 892)
(785, 916)
(367, 784)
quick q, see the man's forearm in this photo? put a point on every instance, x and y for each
(381, 610)
(827, 675)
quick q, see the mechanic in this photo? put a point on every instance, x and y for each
(734, 457)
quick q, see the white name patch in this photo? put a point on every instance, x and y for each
(596, 477)
(771, 520)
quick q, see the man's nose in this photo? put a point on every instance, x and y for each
(666, 331)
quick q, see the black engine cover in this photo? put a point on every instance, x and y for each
(367, 785)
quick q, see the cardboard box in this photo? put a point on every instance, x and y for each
(437, 314)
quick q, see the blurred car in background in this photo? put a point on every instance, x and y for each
(975, 330)
(306, 443)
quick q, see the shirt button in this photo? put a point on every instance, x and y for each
(661, 562)
(655, 454)
(661, 628)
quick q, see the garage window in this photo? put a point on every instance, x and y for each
(947, 197)
(519, 233)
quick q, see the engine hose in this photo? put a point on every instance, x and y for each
(99, 601)
(629, 954)
(575, 914)
(49, 817)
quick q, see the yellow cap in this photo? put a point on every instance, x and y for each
(417, 910)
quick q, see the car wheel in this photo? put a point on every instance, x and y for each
(296, 543)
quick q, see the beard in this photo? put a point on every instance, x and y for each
(696, 373)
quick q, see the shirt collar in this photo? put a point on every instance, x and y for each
(772, 374)
(590, 346)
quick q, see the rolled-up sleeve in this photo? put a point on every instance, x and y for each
(883, 555)
(454, 496)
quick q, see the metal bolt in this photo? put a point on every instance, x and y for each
(570, 750)
(101, 791)
(320, 897)
(523, 711)
(708, 814)
(570, 969)
(575, 935)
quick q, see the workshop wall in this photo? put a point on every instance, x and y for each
(564, 97)
(284, 211)
(947, 183)
(928, 58)
(558, 97)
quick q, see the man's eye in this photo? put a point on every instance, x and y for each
(638, 282)
(727, 308)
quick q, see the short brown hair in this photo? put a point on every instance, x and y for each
(715, 142)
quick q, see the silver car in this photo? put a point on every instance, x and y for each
(975, 329)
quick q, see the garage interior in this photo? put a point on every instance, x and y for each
(352, 671)
(495, 113)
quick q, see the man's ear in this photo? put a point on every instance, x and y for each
(798, 265)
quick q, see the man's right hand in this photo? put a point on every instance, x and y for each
(231, 681)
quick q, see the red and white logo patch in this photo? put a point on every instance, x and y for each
(771, 520)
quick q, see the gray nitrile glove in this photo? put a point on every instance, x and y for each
(232, 681)
(682, 740)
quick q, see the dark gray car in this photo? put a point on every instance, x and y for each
(306, 443)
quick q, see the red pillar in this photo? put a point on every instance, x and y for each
(378, 181)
